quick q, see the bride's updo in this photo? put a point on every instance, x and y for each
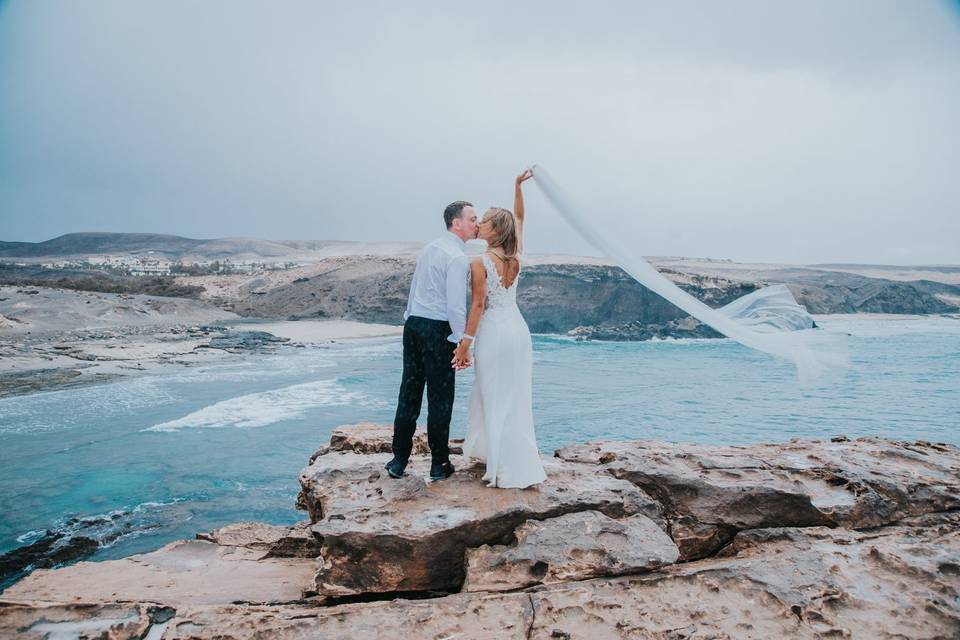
(504, 230)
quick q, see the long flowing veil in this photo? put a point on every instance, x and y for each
(816, 354)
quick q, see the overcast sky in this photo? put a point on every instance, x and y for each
(776, 131)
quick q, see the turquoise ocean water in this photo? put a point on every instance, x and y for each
(143, 461)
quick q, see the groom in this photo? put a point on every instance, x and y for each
(434, 321)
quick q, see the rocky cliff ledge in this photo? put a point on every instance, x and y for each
(809, 539)
(594, 300)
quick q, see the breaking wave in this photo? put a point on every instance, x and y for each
(266, 407)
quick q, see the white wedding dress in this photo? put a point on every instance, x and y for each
(500, 422)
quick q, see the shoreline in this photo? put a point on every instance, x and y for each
(321, 331)
(56, 361)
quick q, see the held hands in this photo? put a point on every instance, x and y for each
(526, 175)
(461, 356)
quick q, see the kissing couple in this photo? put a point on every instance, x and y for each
(441, 338)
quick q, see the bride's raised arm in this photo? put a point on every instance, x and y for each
(518, 206)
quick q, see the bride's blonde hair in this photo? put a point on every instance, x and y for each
(504, 230)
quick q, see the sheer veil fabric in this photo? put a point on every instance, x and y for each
(767, 322)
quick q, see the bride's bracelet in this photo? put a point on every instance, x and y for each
(465, 336)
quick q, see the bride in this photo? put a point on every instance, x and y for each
(500, 423)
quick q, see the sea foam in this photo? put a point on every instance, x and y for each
(266, 407)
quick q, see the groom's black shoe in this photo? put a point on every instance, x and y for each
(441, 470)
(395, 468)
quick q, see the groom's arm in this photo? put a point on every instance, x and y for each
(457, 274)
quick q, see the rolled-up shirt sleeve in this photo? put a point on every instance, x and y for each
(457, 275)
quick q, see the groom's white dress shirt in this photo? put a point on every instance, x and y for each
(439, 287)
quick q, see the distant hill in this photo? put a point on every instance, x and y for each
(173, 247)
(369, 281)
(84, 244)
(939, 268)
(72, 244)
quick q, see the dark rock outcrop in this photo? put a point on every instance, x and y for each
(684, 328)
(54, 548)
(239, 341)
(13, 383)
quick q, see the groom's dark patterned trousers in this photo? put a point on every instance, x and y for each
(427, 356)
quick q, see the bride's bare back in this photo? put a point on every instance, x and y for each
(508, 269)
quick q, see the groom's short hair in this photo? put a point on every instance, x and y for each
(454, 210)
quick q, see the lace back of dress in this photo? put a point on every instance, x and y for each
(497, 294)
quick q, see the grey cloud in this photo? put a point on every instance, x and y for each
(750, 130)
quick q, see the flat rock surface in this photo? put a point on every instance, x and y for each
(576, 546)
(253, 535)
(368, 437)
(182, 572)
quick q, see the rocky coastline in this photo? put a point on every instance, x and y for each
(83, 357)
(368, 282)
(831, 538)
(589, 301)
(58, 339)
(683, 328)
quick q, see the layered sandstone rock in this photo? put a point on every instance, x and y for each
(275, 541)
(708, 493)
(806, 583)
(384, 535)
(573, 547)
(811, 539)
